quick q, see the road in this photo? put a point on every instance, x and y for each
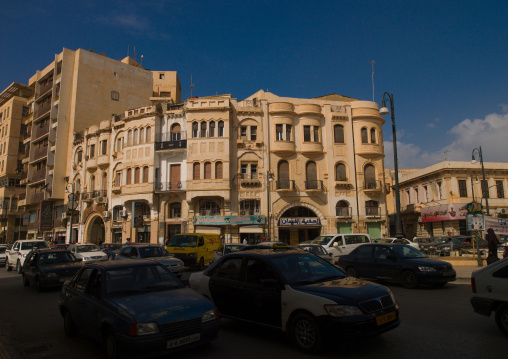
(435, 323)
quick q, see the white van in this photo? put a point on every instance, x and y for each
(341, 244)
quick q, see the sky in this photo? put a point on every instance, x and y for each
(444, 62)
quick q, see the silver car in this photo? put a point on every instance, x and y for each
(152, 252)
(3, 256)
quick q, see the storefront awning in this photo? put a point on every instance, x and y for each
(250, 229)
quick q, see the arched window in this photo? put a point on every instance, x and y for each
(175, 210)
(136, 136)
(311, 175)
(338, 134)
(176, 132)
(342, 209)
(340, 172)
(195, 127)
(283, 181)
(203, 129)
(209, 208)
(136, 174)
(77, 186)
(218, 170)
(212, 128)
(142, 135)
(148, 134)
(372, 208)
(208, 170)
(370, 177)
(118, 144)
(145, 174)
(129, 176)
(365, 137)
(221, 129)
(129, 138)
(373, 135)
(195, 171)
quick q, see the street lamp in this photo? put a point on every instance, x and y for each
(384, 111)
(269, 178)
(473, 161)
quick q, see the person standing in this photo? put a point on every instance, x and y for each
(127, 241)
(492, 243)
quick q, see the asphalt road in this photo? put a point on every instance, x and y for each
(435, 323)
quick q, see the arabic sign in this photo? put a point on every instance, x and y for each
(227, 220)
(444, 212)
(46, 216)
(474, 207)
(295, 221)
(475, 222)
(499, 225)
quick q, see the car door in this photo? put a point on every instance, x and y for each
(75, 300)
(262, 294)
(92, 304)
(227, 288)
(385, 262)
(361, 260)
(30, 268)
(13, 253)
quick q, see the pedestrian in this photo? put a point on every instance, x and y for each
(505, 254)
(127, 241)
(492, 242)
(244, 240)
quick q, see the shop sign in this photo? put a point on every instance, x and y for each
(444, 212)
(299, 221)
(46, 216)
(499, 225)
(227, 220)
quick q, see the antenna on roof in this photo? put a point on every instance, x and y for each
(372, 62)
(191, 85)
(445, 152)
(141, 63)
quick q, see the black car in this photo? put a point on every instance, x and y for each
(49, 267)
(301, 294)
(461, 244)
(136, 307)
(430, 248)
(397, 262)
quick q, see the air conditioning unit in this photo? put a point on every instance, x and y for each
(106, 214)
(101, 199)
(123, 213)
(242, 213)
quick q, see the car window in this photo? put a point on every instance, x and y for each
(305, 268)
(501, 273)
(126, 252)
(258, 271)
(95, 288)
(83, 278)
(364, 252)
(134, 252)
(31, 258)
(56, 257)
(16, 246)
(229, 269)
(2, 249)
(232, 248)
(381, 252)
(352, 239)
(323, 240)
(183, 241)
(406, 252)
(88, 248)
(152, 251)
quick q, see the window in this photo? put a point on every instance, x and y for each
(340, 172)
(118, 179)
(176, 132)
(250, 207)
(129, 138)
(342, 209)
(175, 210)
(408, 197)
(136, 136)
(372, 135)
(212, 128)
(278, 132)
(243, 132)
(203, 130)
(196, 171)
(365, 136)
(485, 189)
(161, 76)
(283, 172)
(209, 208)
(288, 132)
(439, 189)
(462, 188)
(221, 128)
(136, 174)
(148, 134)
(306, 133)
(218, 170)
(230, 269)
(145, 174)
(500, 189)
(208, 170)
(415, 190)
(194, 130)
(338, 134)
(129, 175)
(253, 133)
(142, 135)
(115, 96)
(104, 147)
(311, 175)
(425, 193)
(92, 151)
(370, 177)
(372, 208)
(316, 134)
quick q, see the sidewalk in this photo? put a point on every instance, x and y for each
(463, 265)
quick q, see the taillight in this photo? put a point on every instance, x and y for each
(473, 284)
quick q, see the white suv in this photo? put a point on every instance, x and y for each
(490, 288)
(341, 244)
(17, 254)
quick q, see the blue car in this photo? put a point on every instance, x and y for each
(136, 307)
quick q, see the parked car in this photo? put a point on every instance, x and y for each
(400, 241)
(61, 246)
(137, 307)
(461, 244)
(318, 250)
(88, 252)
(152, 252)
(3, 256)
(194, 249)
(397, 262)
(227, 248)
(421, 240)
(49, 267)
(341, 244)
(430, 248)
(299, 293)
(490, 292)
(111, 249)
(17, 254)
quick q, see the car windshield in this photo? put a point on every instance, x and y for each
(2, 249)
(232, 248)
(385, 240)
(148, 252)
(305, 268)
(33, 245)
(56, 257)
(323, 240)
(87, 248)
(183, 241)
(134, 280)
(407, 252)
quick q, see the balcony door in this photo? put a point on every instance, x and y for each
(175, 172)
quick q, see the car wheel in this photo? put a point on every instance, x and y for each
(26, 282)
(408, 280)
(8, 267)
(70, 328)
(502, 318)
(18, 267)
(201, 264)
(111, 345)
(351, 272)
(305, 334)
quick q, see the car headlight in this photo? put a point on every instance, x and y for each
(427, 269)
(143, 329)
(86, 258)
(339, 311)
(211, 314)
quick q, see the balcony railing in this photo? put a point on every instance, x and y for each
(39, 153)
(169, 141)
(170, 186)
(46, 88)
(288, 185)
(373, 211)
(38, 175)
(91, 195)
(41, 131)
(42, 109)
(249, 176)
(314, 185)
(344, 212)
(372, 185)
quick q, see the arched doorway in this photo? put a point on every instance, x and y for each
(95, 230)
(298, 224)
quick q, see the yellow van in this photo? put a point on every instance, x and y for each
(194, 249)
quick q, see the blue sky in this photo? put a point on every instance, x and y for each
(446, 62)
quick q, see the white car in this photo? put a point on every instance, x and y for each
(490, 292)
(227, 248)
(3, 256)
(341, 244)
(399, 240)
(88, 252)
(17, 254)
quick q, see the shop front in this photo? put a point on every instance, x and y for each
(233, 228)
(298, 224)
(446, 219)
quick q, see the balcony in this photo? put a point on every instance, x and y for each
(373, 212)
(314, 185)
(309, 109)
(283, 147)
(39, 175)
(170, 186)
(170, 141)
(103, 161)
(342, 182)
(89, 196)
(281, 108)
(42, 109)
(372, 186)
(45, 88)
(91, 164)
(370, 149)
(249, 180)
(312, 148)
(41, 131)
(343, 212)
(287, 185)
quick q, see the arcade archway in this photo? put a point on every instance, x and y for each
(95, 231)
(300, 223)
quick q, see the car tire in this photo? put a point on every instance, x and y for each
(502, 318)
(26, 282)
(305, 334)
(70, 328)
(8, 267)
(201, 264)
(408, 280)
(19, 268)
(111, 345)
(351, 272)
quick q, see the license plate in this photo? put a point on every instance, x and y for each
(383, 319)
(183, 341)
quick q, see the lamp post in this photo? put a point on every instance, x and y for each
(72, 200)
(384, 111)
(473, 160)
(269, 178)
